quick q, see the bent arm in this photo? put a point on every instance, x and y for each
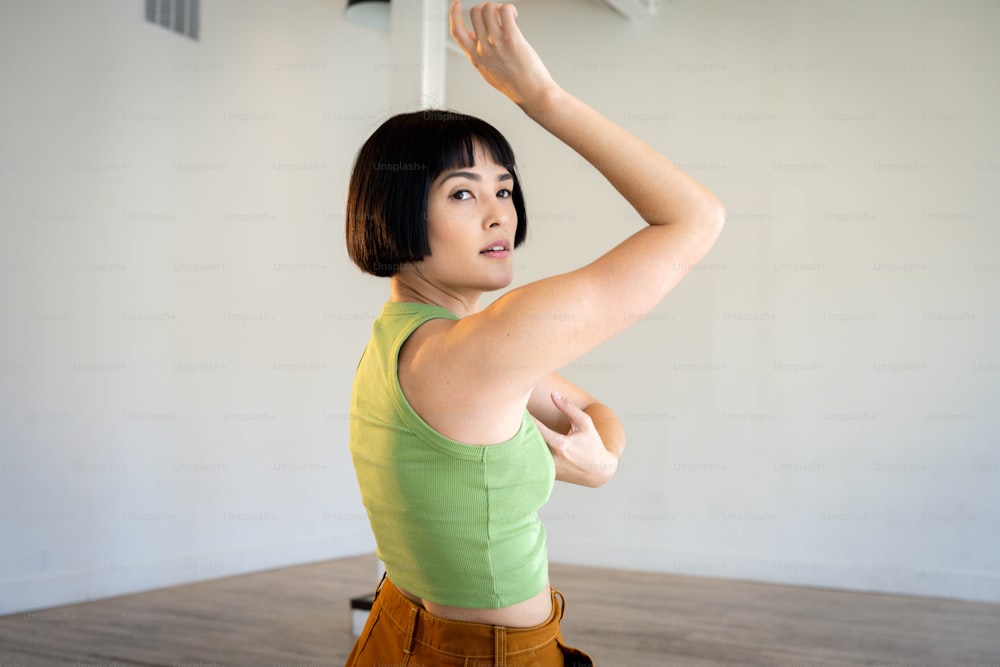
(603, 298)
(585, 436)
(657, 189)
(605, 419)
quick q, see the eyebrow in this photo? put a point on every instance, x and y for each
(506, 176)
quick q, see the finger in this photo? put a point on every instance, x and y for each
(456, 22)
(506, 17)
(577, 418)
(478, 26)
(508, 13)
(491, 18)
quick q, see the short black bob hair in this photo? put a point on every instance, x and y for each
(387, 198)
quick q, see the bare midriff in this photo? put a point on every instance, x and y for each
(529, 613)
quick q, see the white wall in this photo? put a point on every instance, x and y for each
(816, 402)
(180, 321)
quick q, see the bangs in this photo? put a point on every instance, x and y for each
(454, 147)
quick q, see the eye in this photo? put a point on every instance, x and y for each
(462, 195)
(505, 194)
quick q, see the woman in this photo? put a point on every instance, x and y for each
(459, 423)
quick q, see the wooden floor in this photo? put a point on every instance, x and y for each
(299, 617)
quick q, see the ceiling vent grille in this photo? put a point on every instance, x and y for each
(180, 16)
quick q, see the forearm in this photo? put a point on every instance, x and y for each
(658, 191)
(608, 426)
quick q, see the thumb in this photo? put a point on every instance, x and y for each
(578, 419)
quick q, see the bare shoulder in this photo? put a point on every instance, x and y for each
(449, 393)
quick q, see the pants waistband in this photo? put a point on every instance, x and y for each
(464, 638)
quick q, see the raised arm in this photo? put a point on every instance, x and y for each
(543, 326)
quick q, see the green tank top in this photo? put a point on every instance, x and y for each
(455, 524)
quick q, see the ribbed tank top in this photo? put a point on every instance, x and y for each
(454, 523)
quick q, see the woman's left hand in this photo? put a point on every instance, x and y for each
(580, 455)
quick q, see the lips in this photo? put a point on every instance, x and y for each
(500, 245)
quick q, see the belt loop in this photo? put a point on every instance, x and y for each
(562, 602)
(499, 646)
(411, 629)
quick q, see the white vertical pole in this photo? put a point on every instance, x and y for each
(418, 29)
(435, 38)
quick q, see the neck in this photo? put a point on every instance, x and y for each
(413, 288)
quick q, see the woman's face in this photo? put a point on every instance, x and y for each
(470, 210)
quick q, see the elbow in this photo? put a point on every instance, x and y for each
(706, 224)
(714, 220)
(720, 215)
(708, 214)
(715, 213)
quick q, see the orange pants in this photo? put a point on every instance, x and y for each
(402, 633)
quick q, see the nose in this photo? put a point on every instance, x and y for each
(497, 215)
